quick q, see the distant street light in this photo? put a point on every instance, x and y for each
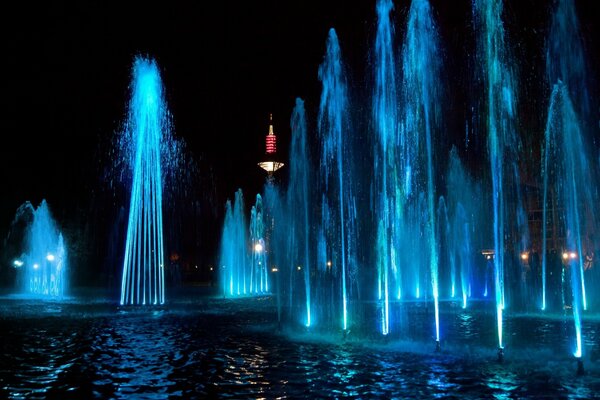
(258, 247)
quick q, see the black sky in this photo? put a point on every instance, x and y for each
(225, 66)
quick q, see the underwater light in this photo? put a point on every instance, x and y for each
(50, 257)
(36, 266)
(18, 263)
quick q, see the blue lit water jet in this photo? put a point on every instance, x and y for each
(334, 159)
(568, 117)
(567, 170)
(299, 201)
(385, 104)
(42, 263)
(499, 111)
(143, 280)
(421, 77)
(259, 278)
(235, 249)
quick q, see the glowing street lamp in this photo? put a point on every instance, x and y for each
(488, 254)
(569, 255)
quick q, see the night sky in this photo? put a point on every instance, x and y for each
(225, 67)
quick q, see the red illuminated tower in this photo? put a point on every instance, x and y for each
(270, 164)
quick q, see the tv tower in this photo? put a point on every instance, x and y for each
(270, 164)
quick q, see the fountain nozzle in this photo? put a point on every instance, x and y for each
(438, 347)
(500, 354)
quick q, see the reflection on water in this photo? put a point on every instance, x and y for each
(217, 348)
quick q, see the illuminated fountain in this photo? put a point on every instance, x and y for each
(143, 280)
(499, 109)
(337, 202)
(567, 172)
(234, 257)
(385, 103)
(259, 278)
(299, 202)
(464, 209)
(42, 267)
(421, 121)
(388, 222)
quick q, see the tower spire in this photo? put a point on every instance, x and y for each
(270, 164)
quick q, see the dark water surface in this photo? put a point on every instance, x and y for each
(208, 347)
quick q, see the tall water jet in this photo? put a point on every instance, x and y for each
(233, 259)
(499, 110)
(42, 263)
(567, 170)
(422, 98)
(333, 132)
(385, 104)
(446, 242)
(568, 116)
(259, 278)
(143, 280)
(463, 204)
(299, 201)
(566, 167)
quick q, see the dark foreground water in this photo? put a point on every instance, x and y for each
(86, 347)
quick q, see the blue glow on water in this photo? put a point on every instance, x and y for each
(143, 279)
